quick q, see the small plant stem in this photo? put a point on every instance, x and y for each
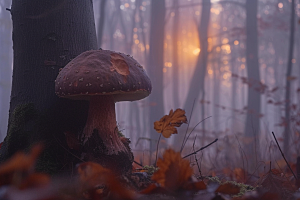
(284, 156)
(200, 149)
(138, 164)
(182, 145)
(197, 159)
(157, 149)
(193, 130)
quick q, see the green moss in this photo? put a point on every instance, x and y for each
(243, 187)
(150, 169)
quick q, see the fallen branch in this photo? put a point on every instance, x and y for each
(201, 148)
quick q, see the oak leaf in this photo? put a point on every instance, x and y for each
(166, 125)
(174, 172)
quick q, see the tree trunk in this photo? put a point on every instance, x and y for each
(6, 65)
(155, 66)
(253, 103)
(46, 36)
(175, 68)
(197, 83)
(288, 82)
(101, 22)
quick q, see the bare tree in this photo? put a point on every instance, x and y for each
(155, 65)
(101, 22)
(197, 83)
(253, 103)
(288, 81)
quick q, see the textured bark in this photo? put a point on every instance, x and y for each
(252, 127)
(46, 36)
(288, 83)
(155, 65)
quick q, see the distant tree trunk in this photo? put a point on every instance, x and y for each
(101, 22)
(253, 103)
(288, 82)
(197, 83)
(5, 65)
(46, 36)
(155, 66)
(175, 67)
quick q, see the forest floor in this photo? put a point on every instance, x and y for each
(172, 177)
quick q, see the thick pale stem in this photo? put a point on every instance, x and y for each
(102, 117)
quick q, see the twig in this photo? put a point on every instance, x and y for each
(197, 159)
(193, 130)
(201, 148)
(182, 145)
(138, 163)
(284, 156)
(157, 149)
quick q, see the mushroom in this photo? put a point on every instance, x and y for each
(103, 77)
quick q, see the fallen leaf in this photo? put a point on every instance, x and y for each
(174, 172)
(98, 182)
(19, 166)
(228, 188)
(35, 180)
(166, 125)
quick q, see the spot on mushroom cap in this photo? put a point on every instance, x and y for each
(103, 72)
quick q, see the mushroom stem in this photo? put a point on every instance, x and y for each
(102, 116)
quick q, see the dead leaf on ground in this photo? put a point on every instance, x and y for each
(96, 182)
(174, 172)
(14, 170)
(228, 188)
(166, 125)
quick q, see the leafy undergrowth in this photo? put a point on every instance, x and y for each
(171, 178)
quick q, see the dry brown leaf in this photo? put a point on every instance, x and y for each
(272, 182)
(166, 125)
(35, 180)
(196, 186)
(19, 166)
(96, 182)
(174, 172)
(228, 188)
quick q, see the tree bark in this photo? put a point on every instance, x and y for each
(155, 66)
(252, 126)
(46, 36)
(288, 82)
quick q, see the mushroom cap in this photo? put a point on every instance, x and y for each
(103, 72)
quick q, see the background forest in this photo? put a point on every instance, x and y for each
(231, 63)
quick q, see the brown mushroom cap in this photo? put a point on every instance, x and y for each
(103, 72)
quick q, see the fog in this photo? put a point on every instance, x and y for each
(227, 63)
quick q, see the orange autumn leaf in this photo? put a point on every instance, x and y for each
(174, 172)
(35, 180)
(94, 179)
(228, 188)
(166, 125)
(20, 164)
